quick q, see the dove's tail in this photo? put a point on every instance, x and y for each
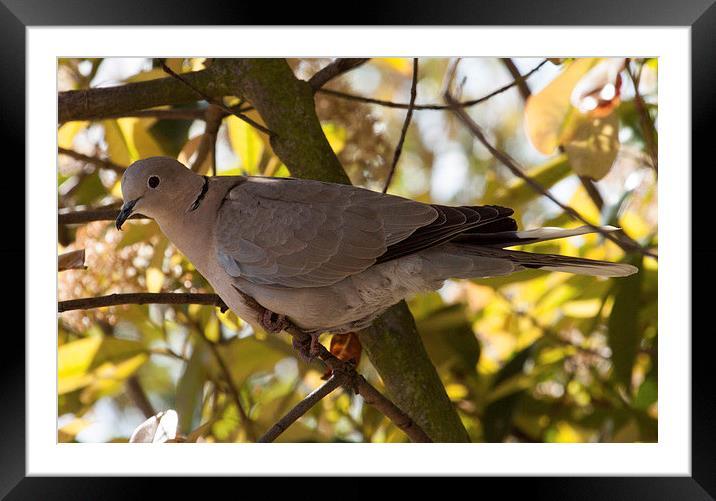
(555, 262)
(492, 245)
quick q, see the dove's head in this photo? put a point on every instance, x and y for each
(156, 185)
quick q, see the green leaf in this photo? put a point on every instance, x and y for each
(449, 338)
(190, 388)
(624, 335)
(497, 418)
(519, 192)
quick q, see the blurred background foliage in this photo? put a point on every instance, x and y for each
(532, 357)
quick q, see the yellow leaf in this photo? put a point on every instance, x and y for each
(211, 329)
(246, 142)
(336, 136)
(593, 146)
(566, 433)
(404, 66)
(155, 279)
(456, 391)
(547, 110)
(67, 132)
(139, 142)
(76, 357)
(585, 308)
(117, 148)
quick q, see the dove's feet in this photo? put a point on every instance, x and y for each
(273, 322)
(308, 349)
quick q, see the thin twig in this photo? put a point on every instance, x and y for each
(406, 124)
(520, 82)
(207, 145)
(647, 125)
(333, 70)
(217, 102)
(234, 392)
(301, 408)
(90, 215)
(625, 243)
(405, 106)
(141, 298)
(139, 397)
(99, 162)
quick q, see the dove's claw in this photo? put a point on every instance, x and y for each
(303, 348)
(307, 348)
(273, 322)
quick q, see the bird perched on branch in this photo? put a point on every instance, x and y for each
(329, 257)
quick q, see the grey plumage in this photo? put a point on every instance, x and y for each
(331, 257)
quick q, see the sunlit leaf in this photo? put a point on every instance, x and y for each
(67, 132)
(155, 279)
(246, 142)
(593, 146)
(547, 110)
(157, 429)
(336, 136)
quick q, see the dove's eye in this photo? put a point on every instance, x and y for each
(153, 181)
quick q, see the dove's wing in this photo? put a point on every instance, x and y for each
(301, 233)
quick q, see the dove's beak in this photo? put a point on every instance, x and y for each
(125, 212)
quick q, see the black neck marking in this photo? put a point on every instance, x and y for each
(201, 196)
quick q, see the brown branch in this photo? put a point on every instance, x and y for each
(647, 125)
(216, 102)
(141, 298)
(301, 408)
(207, 146)
(405, 106)
(519, 80)
(91, 104)
(333, 70)
(171, 114)
(353, 380)
(626, 243)
(87, 216)
(406, 124)
(99, 162)
(139, 397)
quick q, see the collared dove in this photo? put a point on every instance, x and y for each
(330, 257)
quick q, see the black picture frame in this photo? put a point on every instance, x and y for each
(700, 15)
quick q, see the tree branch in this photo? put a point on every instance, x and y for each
(141, 298)
(519, 80)
(406, 124)
(92, 104)
(405, 106)
(333, 70)
(216, 101)
(301, 408)
(87, 216)
(99, 162)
